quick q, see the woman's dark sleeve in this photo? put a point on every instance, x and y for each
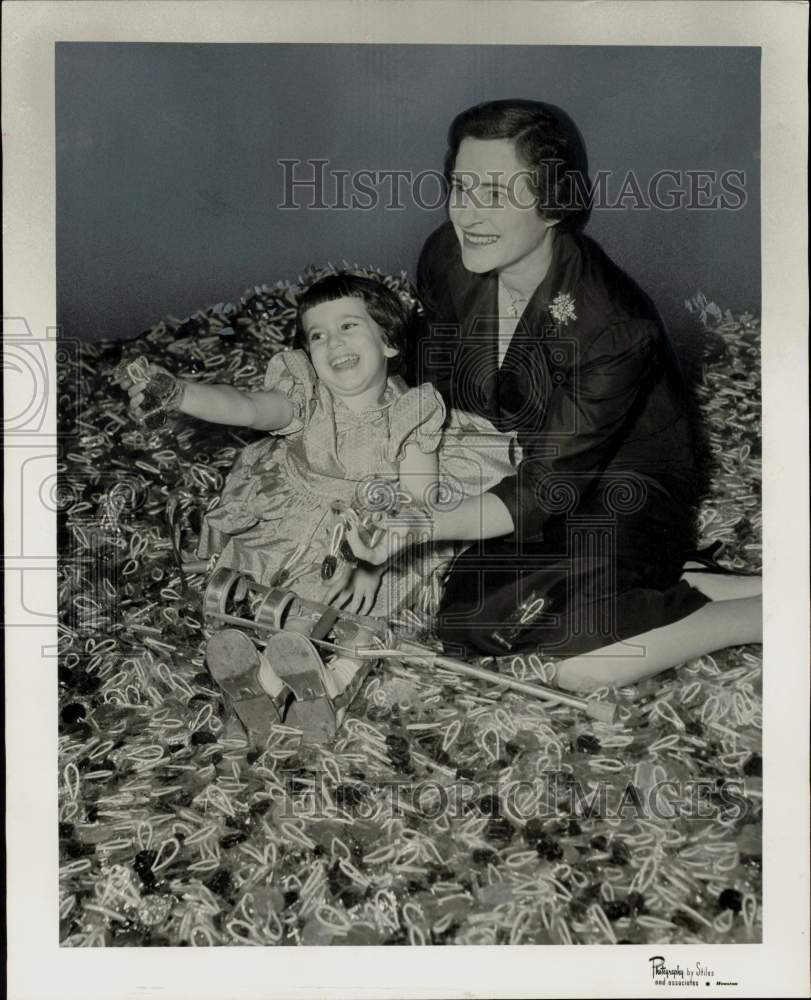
(581, 426)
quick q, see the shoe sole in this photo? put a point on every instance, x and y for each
(298, 664)
(233, 661)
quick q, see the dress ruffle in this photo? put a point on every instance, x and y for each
(417, 417)
(290, 372)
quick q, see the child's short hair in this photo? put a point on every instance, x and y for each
(385, 307)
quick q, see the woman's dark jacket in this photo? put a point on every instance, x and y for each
(595, 399)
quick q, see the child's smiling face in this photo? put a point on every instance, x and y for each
(348, 350)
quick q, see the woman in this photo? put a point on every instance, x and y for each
(582, 553)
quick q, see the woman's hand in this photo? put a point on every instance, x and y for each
(399, 532)
(359, 593)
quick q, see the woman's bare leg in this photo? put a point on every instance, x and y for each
(719, 587)
(716, 625)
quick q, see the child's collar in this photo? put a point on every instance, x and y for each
(390, 394)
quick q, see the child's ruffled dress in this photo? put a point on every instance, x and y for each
(280, 507)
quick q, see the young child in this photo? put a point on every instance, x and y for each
(345, 432)
(347, 440)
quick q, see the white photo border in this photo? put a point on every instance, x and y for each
(37, 966)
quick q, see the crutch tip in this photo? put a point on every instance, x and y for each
(602, 711)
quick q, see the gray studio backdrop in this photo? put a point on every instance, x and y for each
(168, 178)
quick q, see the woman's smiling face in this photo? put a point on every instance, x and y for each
(348, 350)
(493, 209)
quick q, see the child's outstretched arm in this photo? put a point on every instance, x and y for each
(266, 410)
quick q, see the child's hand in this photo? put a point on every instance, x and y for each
(137, 381)
(358, 594)
(150, 384)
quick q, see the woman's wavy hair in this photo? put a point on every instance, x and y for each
(549, 144)
(387, 309)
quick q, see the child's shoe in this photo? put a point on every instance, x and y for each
(256, 694)
(343, 678)
(297, 663)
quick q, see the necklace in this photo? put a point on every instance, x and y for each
(515, 307)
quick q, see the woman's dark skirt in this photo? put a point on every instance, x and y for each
(604, 572)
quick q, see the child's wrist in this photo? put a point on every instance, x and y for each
(174, 397)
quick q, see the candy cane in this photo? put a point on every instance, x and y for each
(618, 741)
(206, 934)
(563, 931)
(183, 687)
(138, 545)
(665, 743)
(518, 668)
(749, 910)
(72, 780)
(274, 928)
(451, 735)
(416, 936)
(443, 923)
(406, 857)
(672, 837)
(203, 716)
(74, 867)
(492, 754)
(352, 873)
(505, 722)
(665, 711)
(442, 823)
(521, 858)
(331, 918)
(380, 855)
(726, 864)
(101, 750)
(646, 874)
(339, 850)
(248, 934)
(608, 765)
(710, 710)
(157, 864)
(85, 603)
(723, 922)
(430, 848)
(205, 865)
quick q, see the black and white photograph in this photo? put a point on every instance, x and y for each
(399, 432)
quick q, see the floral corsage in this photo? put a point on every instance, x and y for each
(562, 308)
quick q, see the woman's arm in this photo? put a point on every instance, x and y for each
(419, 474)
(485, 516)
(567, 451)
(583, 424)
(475, 518)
